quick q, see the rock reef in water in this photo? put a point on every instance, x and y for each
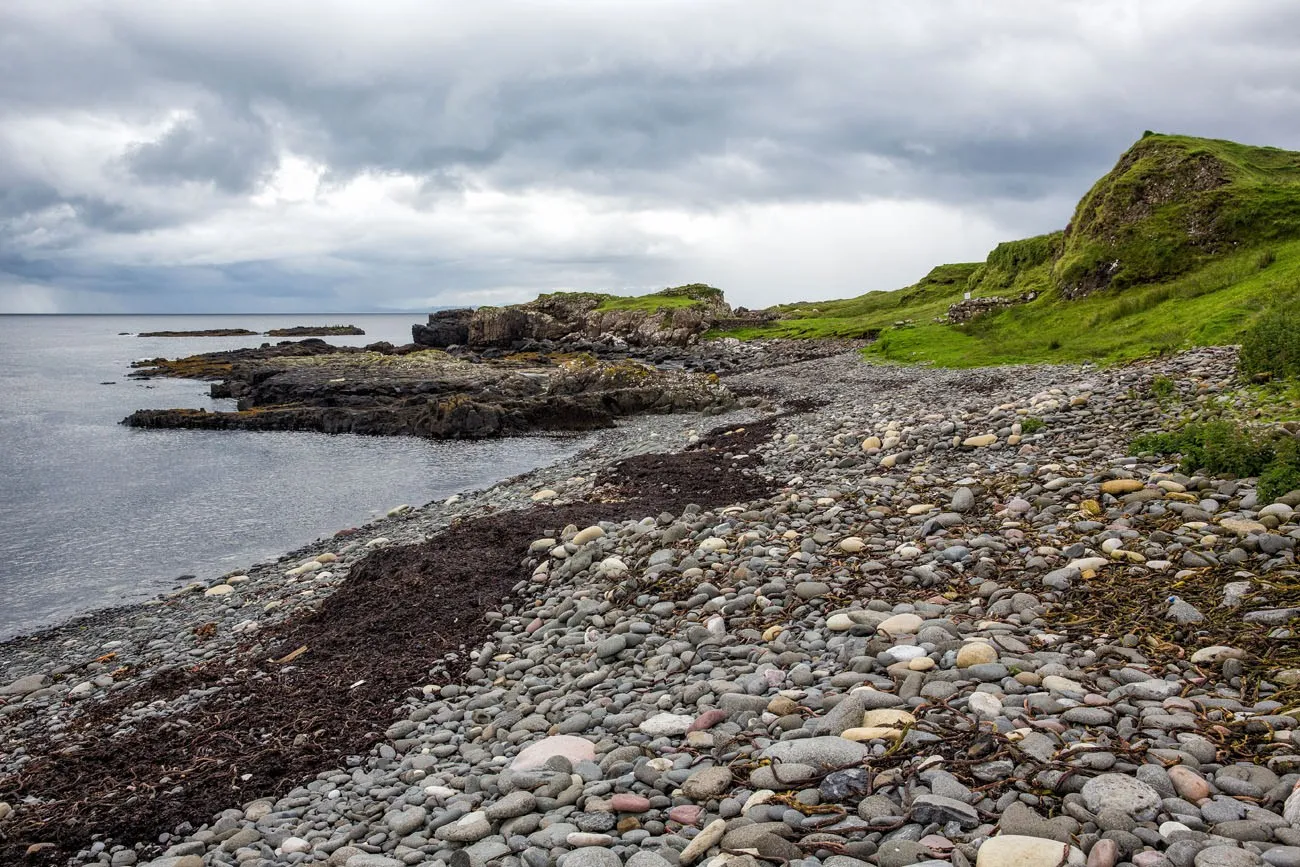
(206, 332)
(386, 390)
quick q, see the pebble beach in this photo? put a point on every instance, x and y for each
(935, 635)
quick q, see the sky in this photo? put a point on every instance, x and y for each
(169, 156)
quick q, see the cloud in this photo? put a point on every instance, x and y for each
(242, 155)
(232, 150)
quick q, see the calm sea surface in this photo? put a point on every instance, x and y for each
(93, 514)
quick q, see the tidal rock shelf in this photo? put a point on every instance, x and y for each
(899, 628)
(409, 391)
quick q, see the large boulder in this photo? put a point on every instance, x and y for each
(445, 328)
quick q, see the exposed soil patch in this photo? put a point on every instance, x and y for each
(272, 724)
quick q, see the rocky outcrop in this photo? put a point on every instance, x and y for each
(446, 328)
(965, 311)
(675, 317)
(388, 391)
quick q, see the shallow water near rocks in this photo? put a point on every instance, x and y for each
(93, 514)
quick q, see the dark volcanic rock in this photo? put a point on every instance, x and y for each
(445, 328)
(207, 332)
(384, 391)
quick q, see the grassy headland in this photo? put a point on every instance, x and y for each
(1186, 242)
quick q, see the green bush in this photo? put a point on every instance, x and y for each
(1031, 425)
(1164, 390)
(1225, 448)
(1214, 447)
(1271, 348)
(1283, 475)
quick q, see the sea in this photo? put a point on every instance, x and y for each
(94, 514)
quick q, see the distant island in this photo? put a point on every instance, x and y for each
(209, 332)
(314, 331)
(295, 331)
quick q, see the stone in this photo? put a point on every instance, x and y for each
(820, 752)
(976, 653)
(942, 810)
(590, 856)
(900, 624)
(469, 828)
(26, 685)
(980, 441)
(1226, 856)
(1116, 487)
(1215, 654)
(887, 716)
(573, 748)
(1009, 850)
(515, 804)
(295, 844)
(1242, 527)
(590, 534)
(404, 822)
(1120, 792)
(628, 803)
(686, 814)
(707, 783)
(852, 545)
(667, 725)
(1189, 785)
(1104, 853)
(708, 837)
(708, 720)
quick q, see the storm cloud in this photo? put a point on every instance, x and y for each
(319, 156)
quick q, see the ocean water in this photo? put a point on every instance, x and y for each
(94, 514)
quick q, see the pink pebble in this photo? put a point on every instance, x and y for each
(687, 814)
(534, 626)
(935, 843)
(1189, 784)
(625, 803)
(1104, 854)
(707, 720)
(1149, 859)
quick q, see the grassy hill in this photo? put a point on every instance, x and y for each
(1184, 243)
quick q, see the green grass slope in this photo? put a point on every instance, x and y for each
(1184, 243)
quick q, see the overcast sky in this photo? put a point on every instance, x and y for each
(307, 155)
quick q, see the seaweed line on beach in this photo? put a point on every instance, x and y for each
(278, 718)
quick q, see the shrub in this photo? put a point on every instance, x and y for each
(1283, 474)
(1224, 448)
(1031, 425)
(1271, 348)
(1164, 390)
